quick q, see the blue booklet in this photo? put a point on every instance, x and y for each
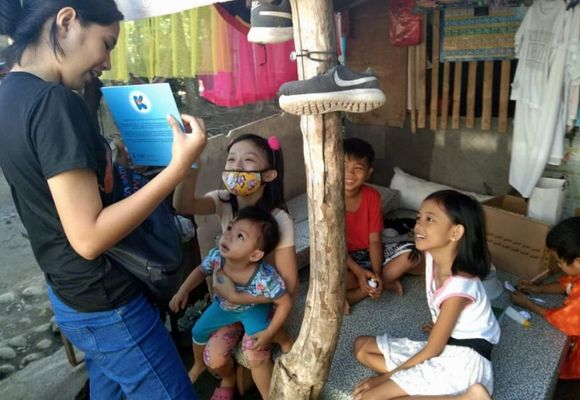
(140, 113)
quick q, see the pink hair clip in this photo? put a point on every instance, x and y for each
(274, 143)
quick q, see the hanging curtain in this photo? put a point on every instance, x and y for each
(206, 42)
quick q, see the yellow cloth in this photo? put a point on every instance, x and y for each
(177, 45)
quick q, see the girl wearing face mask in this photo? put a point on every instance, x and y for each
(253, 176)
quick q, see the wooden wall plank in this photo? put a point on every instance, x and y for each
(445, 97)
(412, 53)
(456, 95)
(504, 92)
(487, 95)
(421, 82)
(435, 70)
(471, 79)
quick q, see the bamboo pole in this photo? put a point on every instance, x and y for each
(301, 373)
(504, 94)
(421, 82)
(445, 101)
(435, 71)
(456, 95)
(412, 68)
(487, 95)
(471, 77)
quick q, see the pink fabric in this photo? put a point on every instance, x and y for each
(257, 71)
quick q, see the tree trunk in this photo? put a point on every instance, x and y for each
(302, 373)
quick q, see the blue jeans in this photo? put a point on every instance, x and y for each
(128, 351)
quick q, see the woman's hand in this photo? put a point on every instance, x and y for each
(224, 287)
(369, 383)
(178, 301)
(188, 144)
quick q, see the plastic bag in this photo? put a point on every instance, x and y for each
(405, 27)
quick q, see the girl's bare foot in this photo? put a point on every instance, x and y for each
(395, 286)
(195, 372)
(476, 392)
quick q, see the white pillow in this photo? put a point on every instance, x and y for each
(390, 199)
(414, 190)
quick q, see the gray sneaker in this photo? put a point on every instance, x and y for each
(271, 23)
(339, 89)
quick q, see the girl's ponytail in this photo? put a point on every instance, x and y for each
(11, 11)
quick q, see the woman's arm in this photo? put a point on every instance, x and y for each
(184, 199)
(91, 228)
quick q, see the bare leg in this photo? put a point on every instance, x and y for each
(396, 268)
(262, 374)
(367, 352)
(198, 364)
(284, 339)
(354, 293)
(227, 373)
(475, 392)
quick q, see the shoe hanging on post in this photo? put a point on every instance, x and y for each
(271, 22)
(339, 89)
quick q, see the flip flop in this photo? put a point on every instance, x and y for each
(223, 393)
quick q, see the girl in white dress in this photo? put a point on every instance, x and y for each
(455, 361)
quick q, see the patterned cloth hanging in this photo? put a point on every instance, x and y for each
(479, 33)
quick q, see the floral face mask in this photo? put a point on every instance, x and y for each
(242, 183)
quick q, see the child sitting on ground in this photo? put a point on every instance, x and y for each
(564, 242)
(456, 358)
(239, 256)
(368, 258)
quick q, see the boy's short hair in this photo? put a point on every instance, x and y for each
(270, 234)
(564, 239)
(359, 149)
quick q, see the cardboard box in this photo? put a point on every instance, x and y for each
(517, 243)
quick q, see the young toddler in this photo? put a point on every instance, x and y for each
(564, 242)
(239, 256)
(372, 265)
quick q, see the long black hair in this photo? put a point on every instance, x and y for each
(24, 20)
(273, 196)
(473, 255)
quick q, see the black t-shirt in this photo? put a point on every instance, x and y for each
(45, 129)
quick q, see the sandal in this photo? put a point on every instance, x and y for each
(223, 393)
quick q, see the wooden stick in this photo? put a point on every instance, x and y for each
(435, 71)
(540, 276)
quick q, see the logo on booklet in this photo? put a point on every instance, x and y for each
(140, 102)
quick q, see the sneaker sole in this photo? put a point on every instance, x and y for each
(270, 35)
(355, 101)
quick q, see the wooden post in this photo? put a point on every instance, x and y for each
(302, 372)
(435, 71)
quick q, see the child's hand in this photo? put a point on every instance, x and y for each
(367, 384)
(179, 301)
(363, 280)
(223, 286)
(521, 299)
(528, 287)
(375, 293)
(261, 340)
